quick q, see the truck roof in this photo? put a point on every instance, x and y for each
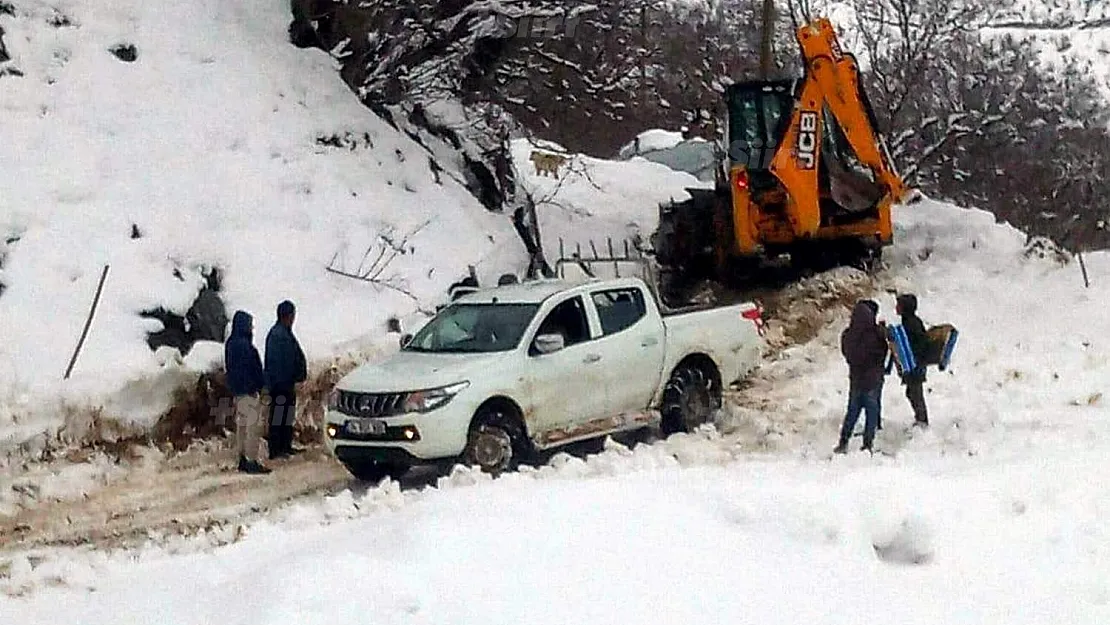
(533, 291)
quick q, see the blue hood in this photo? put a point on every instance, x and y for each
(241, 325)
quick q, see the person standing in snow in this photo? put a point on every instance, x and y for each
(864, 347)
(285, 368)
(919, 344)
(874, 306)
(245, 380)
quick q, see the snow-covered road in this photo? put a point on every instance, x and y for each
(769, 541)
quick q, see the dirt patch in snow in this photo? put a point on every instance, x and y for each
(799, 312)
(123, 504)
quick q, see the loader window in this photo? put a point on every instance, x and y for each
(757, 114)
(619, 309)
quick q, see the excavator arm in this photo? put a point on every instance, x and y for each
(831, 85)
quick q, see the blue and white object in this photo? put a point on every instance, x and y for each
(900, 348)
(949, 335)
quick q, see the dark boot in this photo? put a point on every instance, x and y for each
(841, 448)
(254, 467)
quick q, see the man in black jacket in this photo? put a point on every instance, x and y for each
(864, 347)
(919, 344)
(285, 367)
(245, 381)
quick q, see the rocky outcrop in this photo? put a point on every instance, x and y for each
(206, 319)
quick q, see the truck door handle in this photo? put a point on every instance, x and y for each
(592, 358)
(649, 341)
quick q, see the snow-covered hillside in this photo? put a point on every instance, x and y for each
(223, 146)
(995, 516)
(1063, 30)
(211, 146)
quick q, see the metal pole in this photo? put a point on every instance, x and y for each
(766, 63)
(88, 322)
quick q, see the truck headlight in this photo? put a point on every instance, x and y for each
(424, 401)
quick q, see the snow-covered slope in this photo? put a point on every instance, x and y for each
(597, 200)
(208, 145)
(222, 145)
(996, 516)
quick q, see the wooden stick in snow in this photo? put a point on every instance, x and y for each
(88, 322)
(1083, 267)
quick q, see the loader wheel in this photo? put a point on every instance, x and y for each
(689, 400)
(496, 442)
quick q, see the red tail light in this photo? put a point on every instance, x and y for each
(755, 315)
(740, 179)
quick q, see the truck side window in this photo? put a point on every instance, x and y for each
(568, 319)
(619, 309)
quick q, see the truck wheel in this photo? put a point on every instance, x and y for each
(496, 442)
(370, 471)
(689, 400)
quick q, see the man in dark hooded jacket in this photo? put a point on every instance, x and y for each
(864, 347)
(285, 367)
(245, 380)
(919, 344)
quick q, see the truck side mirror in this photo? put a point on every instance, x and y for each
(550, 343)
(405, 339)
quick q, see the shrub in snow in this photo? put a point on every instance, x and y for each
(125, 52)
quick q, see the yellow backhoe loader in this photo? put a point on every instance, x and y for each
(807, 176)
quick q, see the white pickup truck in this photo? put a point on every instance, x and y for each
(504, 372)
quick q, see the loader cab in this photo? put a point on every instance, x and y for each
(758, 114)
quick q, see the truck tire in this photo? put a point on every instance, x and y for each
(496, 442)
(689, 400)
(370, 471)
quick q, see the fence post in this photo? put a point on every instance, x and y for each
(88, 322)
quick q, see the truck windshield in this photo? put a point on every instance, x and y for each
(474, 328)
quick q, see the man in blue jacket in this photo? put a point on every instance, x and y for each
(285, 367)
(245, 381)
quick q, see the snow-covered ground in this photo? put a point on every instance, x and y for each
(996, 515)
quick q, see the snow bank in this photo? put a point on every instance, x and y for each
(650, 141)
(594, 199)
(221, 145)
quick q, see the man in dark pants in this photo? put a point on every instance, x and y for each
(874, 306)
(285, 367)
(864, 346)
(919, 343)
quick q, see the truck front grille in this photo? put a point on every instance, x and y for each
(370, 404)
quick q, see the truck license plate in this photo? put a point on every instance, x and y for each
(366, 426)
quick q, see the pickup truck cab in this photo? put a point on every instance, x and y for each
(504, 372)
